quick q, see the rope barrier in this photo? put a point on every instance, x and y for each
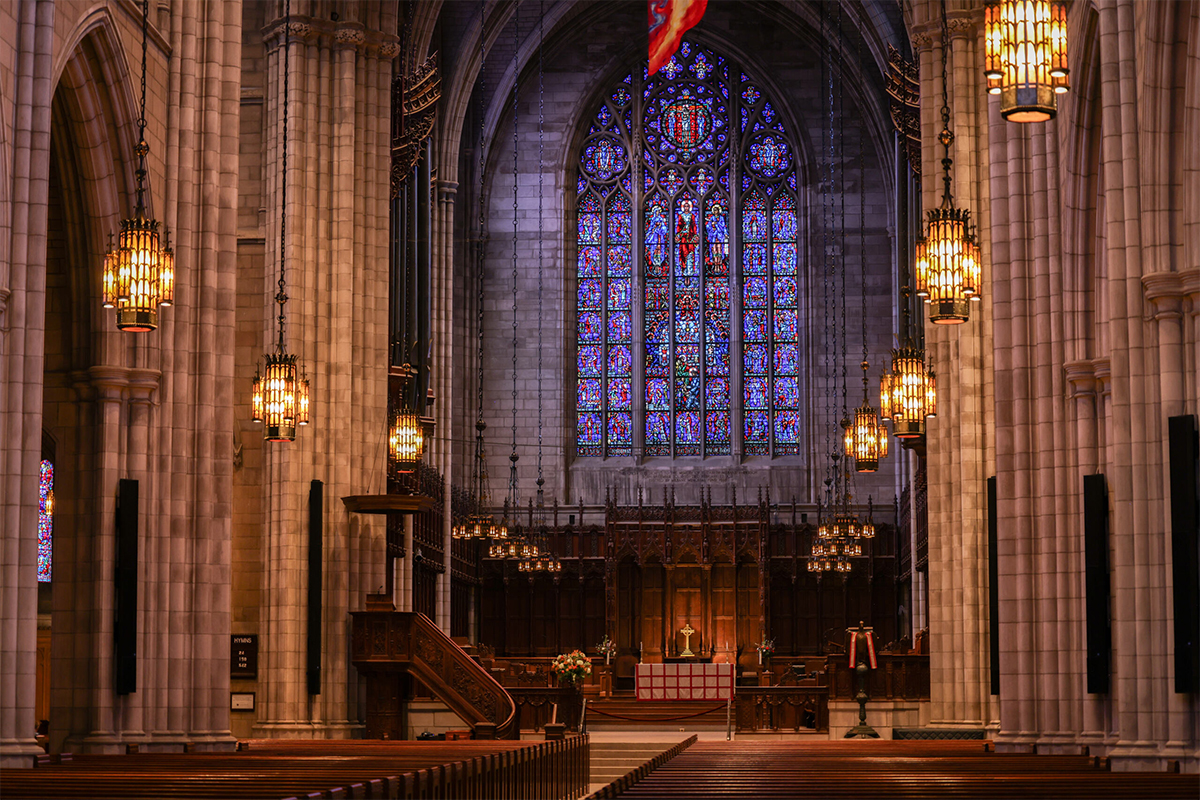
(656, 719)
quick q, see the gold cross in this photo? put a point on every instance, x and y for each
(687, 632)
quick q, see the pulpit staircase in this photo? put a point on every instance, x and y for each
(388, 645)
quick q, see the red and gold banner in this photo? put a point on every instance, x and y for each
(669, 21)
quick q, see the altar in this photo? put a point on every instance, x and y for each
(690, 681)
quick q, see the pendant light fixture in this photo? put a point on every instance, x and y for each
(1025, 51)
(949, 269)
(866, 437)
(511, 505)
(481, 524)
(908, 392)
(406, 437)
(280, 397)
(139, 272)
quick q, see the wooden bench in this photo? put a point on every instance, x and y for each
(890, 769)
(321, 769)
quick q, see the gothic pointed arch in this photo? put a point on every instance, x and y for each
(687, 186)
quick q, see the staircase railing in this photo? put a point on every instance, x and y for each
(399, 641)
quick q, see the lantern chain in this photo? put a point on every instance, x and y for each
(512, 475)
(862, 231)
(281, 298)
(827, 224)
(541, 169)
(842, 215)
(142, 148)
(946, 137)
(480, 468)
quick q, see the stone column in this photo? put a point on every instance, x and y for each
(22, 334)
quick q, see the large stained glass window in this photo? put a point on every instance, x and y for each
(45, 520)
(659, 192)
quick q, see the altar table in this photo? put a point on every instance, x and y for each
(684, 681)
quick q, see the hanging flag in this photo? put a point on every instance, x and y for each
(669, 21)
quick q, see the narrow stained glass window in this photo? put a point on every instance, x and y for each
(45, 520)
(673, 197)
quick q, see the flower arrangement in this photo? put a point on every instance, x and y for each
(607, 648)
(765, 648)
(572, 667)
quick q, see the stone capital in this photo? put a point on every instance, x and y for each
(1191, 287)
(1081, 376)
(1164, 290)
(142, 384)
(1103, 371)
(109, 382)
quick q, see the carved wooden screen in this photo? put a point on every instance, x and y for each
(664, 162)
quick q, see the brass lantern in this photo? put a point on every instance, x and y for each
(406, 442)
(948, 267)
(280, 397)
(139, 272)
(1025, 51)
(866, 439)
(908, 394)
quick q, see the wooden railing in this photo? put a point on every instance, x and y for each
(898, 677)
(389, 642)
(781, 708)
(538, 705)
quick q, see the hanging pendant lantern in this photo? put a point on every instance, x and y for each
(908, 394)
(139, 272)
(948, 270)
(1025, 44)
(280, 396)
(406, 443)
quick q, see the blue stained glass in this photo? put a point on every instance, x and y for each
(754, 219)
(591, 361)
(658, 359)
(658, 393)
(620, 329)
(658, 427)
(756, 359)
(588, 394)
(716, 393)
(785, 258)
(785, 359)
(604, 158)
(754, 325)
(590, 427)
(787, 392)
(620, 428)
(754, 292)
(716, 220)
(619, 396)
(785, 325)
(784, 219)
(619, 361)
(589, 229)
(618, 218)
(618, 294)
(589, 261)
(757, 425)
(756, 393)
(716, 358)
(717, 429)
(754, 260)
(787, 427)
(684, 221)
(591, 328)
(769, 156)
(620, 260)
(785, 292)
(45, 521)
(591, 292)
(687, 427)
